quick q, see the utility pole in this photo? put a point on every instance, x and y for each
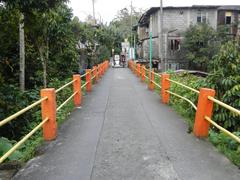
(160, 36)
(131, 40)
(134, 47)
(21, 53)
(150, 48)
(94, 18)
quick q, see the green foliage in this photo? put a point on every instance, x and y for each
(124, 21)
(226, 145)
(180, 105)
(55, 43)
(19, 127)
(225, 79)
(5, 145)
(201, 43)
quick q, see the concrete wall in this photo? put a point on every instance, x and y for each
(175, 23)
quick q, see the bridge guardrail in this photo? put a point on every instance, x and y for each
(203, 109)
(48, 105)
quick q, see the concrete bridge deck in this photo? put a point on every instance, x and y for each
(123, 132)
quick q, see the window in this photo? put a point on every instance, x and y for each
(175, 45)
(201, 17)
(228, 17)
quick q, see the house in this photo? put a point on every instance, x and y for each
(176, 20)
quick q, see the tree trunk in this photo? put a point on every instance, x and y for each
(22, 54)
(44, 65)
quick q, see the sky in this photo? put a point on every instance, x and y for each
(107, 9)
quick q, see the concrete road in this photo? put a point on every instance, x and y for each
(123, 132)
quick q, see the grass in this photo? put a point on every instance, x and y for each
(229, 147)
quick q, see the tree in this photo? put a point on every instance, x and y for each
(123, 22)
(27, 7)
(201, 43)
(224, 77)
(200, 46)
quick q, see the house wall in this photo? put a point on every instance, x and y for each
(175, 24)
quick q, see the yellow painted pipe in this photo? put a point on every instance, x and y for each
(7, 154)
(232, 109)
(193, 105)
(10, 118)
(233, 136)
(65, 102)
(187, 87)
(64, 86)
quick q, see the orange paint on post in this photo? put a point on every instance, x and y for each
(99, 73)
(204, 108)
(95, 74)
(143, 73)
(77, 88)
(165, 86)
(138, 70)
(101, 69)
(150, 83)
(88, 79)
(49, 111)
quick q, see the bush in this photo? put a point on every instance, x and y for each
(29, 120)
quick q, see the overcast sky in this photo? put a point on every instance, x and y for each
(107, 9)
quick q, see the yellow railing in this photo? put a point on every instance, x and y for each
(18, 144)
(181, 97)
(165, 86)
(66, 85)
(101, 69)
(65, 102)
(183, 85)
(230, 108)
(14, 116)
(233, 136)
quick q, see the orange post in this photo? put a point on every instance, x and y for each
(143, 73)
(204, 108)
(165, 87)
(99, 71)
(150, 83)
(88, 80)
(49, 111)
(77, 88)
(135, 67)
(95, 74)
(103, 68)
(138, 70)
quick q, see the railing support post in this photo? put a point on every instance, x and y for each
(138, 70)
(49, 111)
(204, 108)
(101, 69)
(151, 78)
(95, 74)
(88, 80)
(77, 88)
(165, 87)
(143, 73)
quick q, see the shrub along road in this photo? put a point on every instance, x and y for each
(124, 132)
